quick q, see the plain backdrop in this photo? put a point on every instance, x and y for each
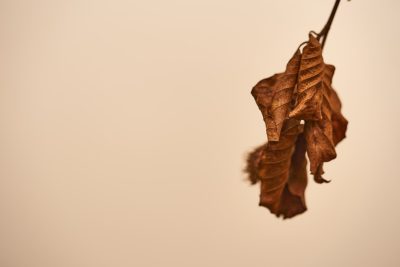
(124, 126)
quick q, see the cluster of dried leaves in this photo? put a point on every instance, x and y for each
(303, 93)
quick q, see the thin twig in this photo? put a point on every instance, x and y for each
(324, 32)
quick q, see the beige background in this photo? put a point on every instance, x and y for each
(124, 127)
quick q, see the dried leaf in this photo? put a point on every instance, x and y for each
(339, 122)
(253, 163)
(313, 105)
(281, 169)
(319, 147)
(274, 96)
(263, 93)
(323, 135)
(310, 83)
(303, 92)
(297, 181)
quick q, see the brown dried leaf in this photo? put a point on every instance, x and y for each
(339, 122)
(274, 95)
(314, 106)
(303, 92)
(323, 135)
(263, 93)
(281, 169)
(297, 181)
(310, 83)
(319, 146)
(253, 162)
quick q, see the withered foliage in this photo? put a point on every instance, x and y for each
(302, 114)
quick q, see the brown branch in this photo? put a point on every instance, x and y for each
(324, 32)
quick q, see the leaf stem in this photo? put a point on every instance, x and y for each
(324, 32)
